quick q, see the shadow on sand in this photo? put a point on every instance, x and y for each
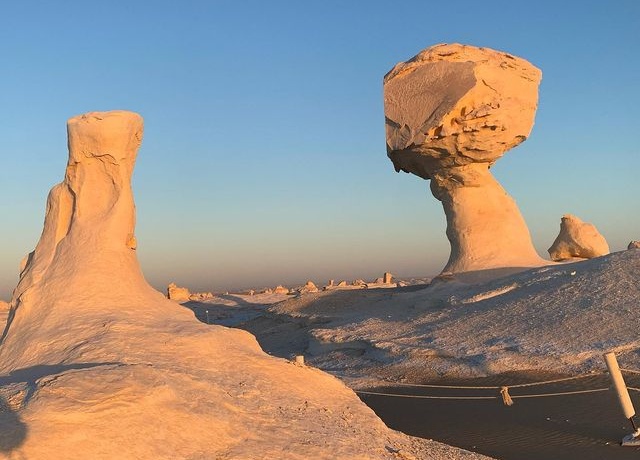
(13, 431)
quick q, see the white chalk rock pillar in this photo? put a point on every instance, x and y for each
(87, 247)
(451, 112)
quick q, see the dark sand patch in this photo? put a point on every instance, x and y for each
(583, 426)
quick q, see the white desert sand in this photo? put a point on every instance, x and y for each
(96, 364)
(451, 112)
(557, 319)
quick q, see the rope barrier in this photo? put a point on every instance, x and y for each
(507, 399)
(518, 385)
(576, 392)
(543, 395)
(376, 393)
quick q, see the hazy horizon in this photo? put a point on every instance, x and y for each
(264, 161)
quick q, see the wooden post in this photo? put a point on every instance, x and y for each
(619, 385)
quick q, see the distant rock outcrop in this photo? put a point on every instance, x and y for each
(279, 289)
(177, 293)
(451, 112)
(577, 239)
(308, 288)
(634, 245)
(200, 296)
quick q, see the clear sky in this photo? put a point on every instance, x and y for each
(264, 155)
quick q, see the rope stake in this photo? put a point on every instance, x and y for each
(506, 397)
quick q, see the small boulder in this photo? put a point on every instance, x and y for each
(634, 245)
(577, 239)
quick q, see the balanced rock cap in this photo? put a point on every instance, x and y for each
(453, 104)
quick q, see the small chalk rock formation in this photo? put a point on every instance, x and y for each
(634, 245)
(279, 289)
(577, 239)
(177, 293)
(101, 365)
(308, 288)
(387, 278)
(200, 296)
(451, 112)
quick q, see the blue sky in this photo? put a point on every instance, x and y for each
(264, 155)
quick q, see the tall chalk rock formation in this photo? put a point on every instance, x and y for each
(86, 253)
(96, 364)
(451, 111)
(577, 239)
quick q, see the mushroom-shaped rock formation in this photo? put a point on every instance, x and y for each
(577, 239)
(451, 111)
(100, 365)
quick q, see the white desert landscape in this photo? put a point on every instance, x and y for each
(95, 363)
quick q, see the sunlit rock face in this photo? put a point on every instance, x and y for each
(86, 253)
(451, 111)
(577, 239)
(177, 293)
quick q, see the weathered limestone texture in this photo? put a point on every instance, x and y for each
(577, 239)
(451, 111)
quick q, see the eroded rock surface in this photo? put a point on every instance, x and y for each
(577, 239)
(451, 111)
